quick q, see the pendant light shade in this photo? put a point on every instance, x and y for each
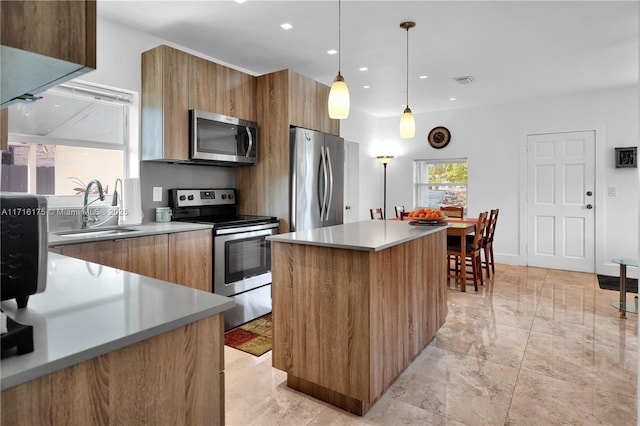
(339, 102)
(407, 122)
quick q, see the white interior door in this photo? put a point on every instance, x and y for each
(351, 181)
(561, 201)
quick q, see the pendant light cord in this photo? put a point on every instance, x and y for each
(407, 106)
(339, 35)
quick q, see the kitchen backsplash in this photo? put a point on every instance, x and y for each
(168, 175)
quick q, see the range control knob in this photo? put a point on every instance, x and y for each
(190, 197)
(182, 198)
(224, 196)
(231, 196)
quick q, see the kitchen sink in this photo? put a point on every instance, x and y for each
(94, 232)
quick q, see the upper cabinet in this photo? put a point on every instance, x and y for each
(173, 82)
(165, 104)
(44, 43)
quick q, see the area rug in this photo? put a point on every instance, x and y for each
(613, 283)
(253, 337)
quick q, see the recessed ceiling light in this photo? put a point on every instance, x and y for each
(364, 69)
(422, 77)
(286, 26)
(240, 1)
(366, 87)
(332, 51)
(452, 99)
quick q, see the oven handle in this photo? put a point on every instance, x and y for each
(240, 229)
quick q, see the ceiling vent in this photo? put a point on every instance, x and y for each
(467, 79)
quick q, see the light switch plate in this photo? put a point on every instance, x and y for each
(157, 193)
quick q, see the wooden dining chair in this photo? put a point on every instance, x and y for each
(487, 242)
(376, 213)
(473, 253)
(451, 211)
(399, 211)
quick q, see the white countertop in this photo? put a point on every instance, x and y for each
(368, 235)
(152, 228)
(88, 310)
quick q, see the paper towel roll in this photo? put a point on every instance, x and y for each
(131, 212)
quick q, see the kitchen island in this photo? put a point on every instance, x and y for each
(113, 347)
(354, 304)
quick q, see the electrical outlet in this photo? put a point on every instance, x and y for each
(157, 193)
(611, 191)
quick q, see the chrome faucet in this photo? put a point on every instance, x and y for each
(86, 204)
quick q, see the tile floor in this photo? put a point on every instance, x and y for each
(534, 346)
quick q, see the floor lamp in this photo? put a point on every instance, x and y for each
(385, 159)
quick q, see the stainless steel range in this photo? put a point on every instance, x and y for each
(241, 252)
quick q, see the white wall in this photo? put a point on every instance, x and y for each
(493, 139)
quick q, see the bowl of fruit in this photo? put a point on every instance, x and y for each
(424, 216)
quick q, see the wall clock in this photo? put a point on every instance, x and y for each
(439, 137)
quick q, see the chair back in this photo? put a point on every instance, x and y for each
(376, 213)
(480, 230)
(490, 229)
(399, 211)
(451, 211)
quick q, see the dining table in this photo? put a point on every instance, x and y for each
(458, 227)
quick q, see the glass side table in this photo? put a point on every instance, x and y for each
(622, 304)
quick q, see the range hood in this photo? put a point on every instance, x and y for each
(25, 74)
(72, 111)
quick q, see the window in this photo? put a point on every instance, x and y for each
(77, 132)
(440, 182)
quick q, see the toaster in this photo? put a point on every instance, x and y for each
(23, 248)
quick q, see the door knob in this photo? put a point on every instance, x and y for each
(589, 193)
(589, 206)
(347, 207)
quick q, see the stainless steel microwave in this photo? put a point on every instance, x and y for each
(222, 140)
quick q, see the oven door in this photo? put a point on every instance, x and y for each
(242, 260)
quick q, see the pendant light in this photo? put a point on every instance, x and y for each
(339, 102)
(407, 122)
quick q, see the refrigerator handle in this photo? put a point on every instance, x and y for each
(330, 188)
(323, 156)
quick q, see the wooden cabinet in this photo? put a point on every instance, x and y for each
(183, 257)
(216, 88)
(45, 43)
(345, 333)
(285, 99)
(144, 255)
(174, 82)
(165, 97)
(99, 252)
(172, 378)
(191, 259)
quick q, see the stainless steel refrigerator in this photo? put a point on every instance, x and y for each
(317, 179)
